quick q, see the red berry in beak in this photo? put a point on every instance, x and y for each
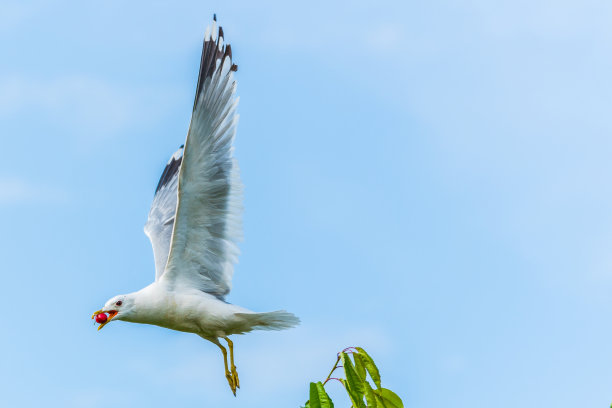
(101, 318)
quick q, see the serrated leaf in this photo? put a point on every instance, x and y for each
(318, 397)
(379, 400)
(326, 401)
(313, 402)
(355, 400)
(354, 384)
(352, 378)
(370, 366)
(360, 366)
(370, 396)
(353, 397)
(389, 398)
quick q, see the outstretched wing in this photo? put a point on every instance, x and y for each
(208, 217)
(161, 215)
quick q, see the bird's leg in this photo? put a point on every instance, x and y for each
(233, 367)
(228, 375)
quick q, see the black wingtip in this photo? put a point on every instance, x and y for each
(212, 51)
(171, 169)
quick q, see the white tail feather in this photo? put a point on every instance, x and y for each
(278, 320)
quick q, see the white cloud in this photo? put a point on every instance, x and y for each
(385, 37)
(18, 191)
(280, 364)
(83, 105)
(330, 36)
(86, 109)
(13, 14)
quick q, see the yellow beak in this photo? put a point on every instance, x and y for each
(111, 314)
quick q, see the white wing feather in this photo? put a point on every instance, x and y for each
(161, 215)
(208, 224)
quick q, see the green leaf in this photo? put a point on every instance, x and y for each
(318, 397)
(326, 401)
(389, 398)
(370, 396)
(360, 365)
(370, 366)
(352, 378)
(354, 384)
(379, 400)
(355, 402)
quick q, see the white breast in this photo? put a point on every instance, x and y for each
(190, 311)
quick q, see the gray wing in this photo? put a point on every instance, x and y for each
(163, 209)
(208, 223)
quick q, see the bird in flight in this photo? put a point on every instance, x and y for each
(194, 224)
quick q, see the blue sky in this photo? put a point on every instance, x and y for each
(429, 181)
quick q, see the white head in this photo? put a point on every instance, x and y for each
(118, 308)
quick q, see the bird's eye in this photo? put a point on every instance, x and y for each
(119, 303)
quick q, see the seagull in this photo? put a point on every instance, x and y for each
(194, 224)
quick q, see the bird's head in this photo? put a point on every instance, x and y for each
(117, 308)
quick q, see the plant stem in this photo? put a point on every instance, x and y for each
(332, 371)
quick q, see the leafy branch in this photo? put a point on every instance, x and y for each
(355, 382)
